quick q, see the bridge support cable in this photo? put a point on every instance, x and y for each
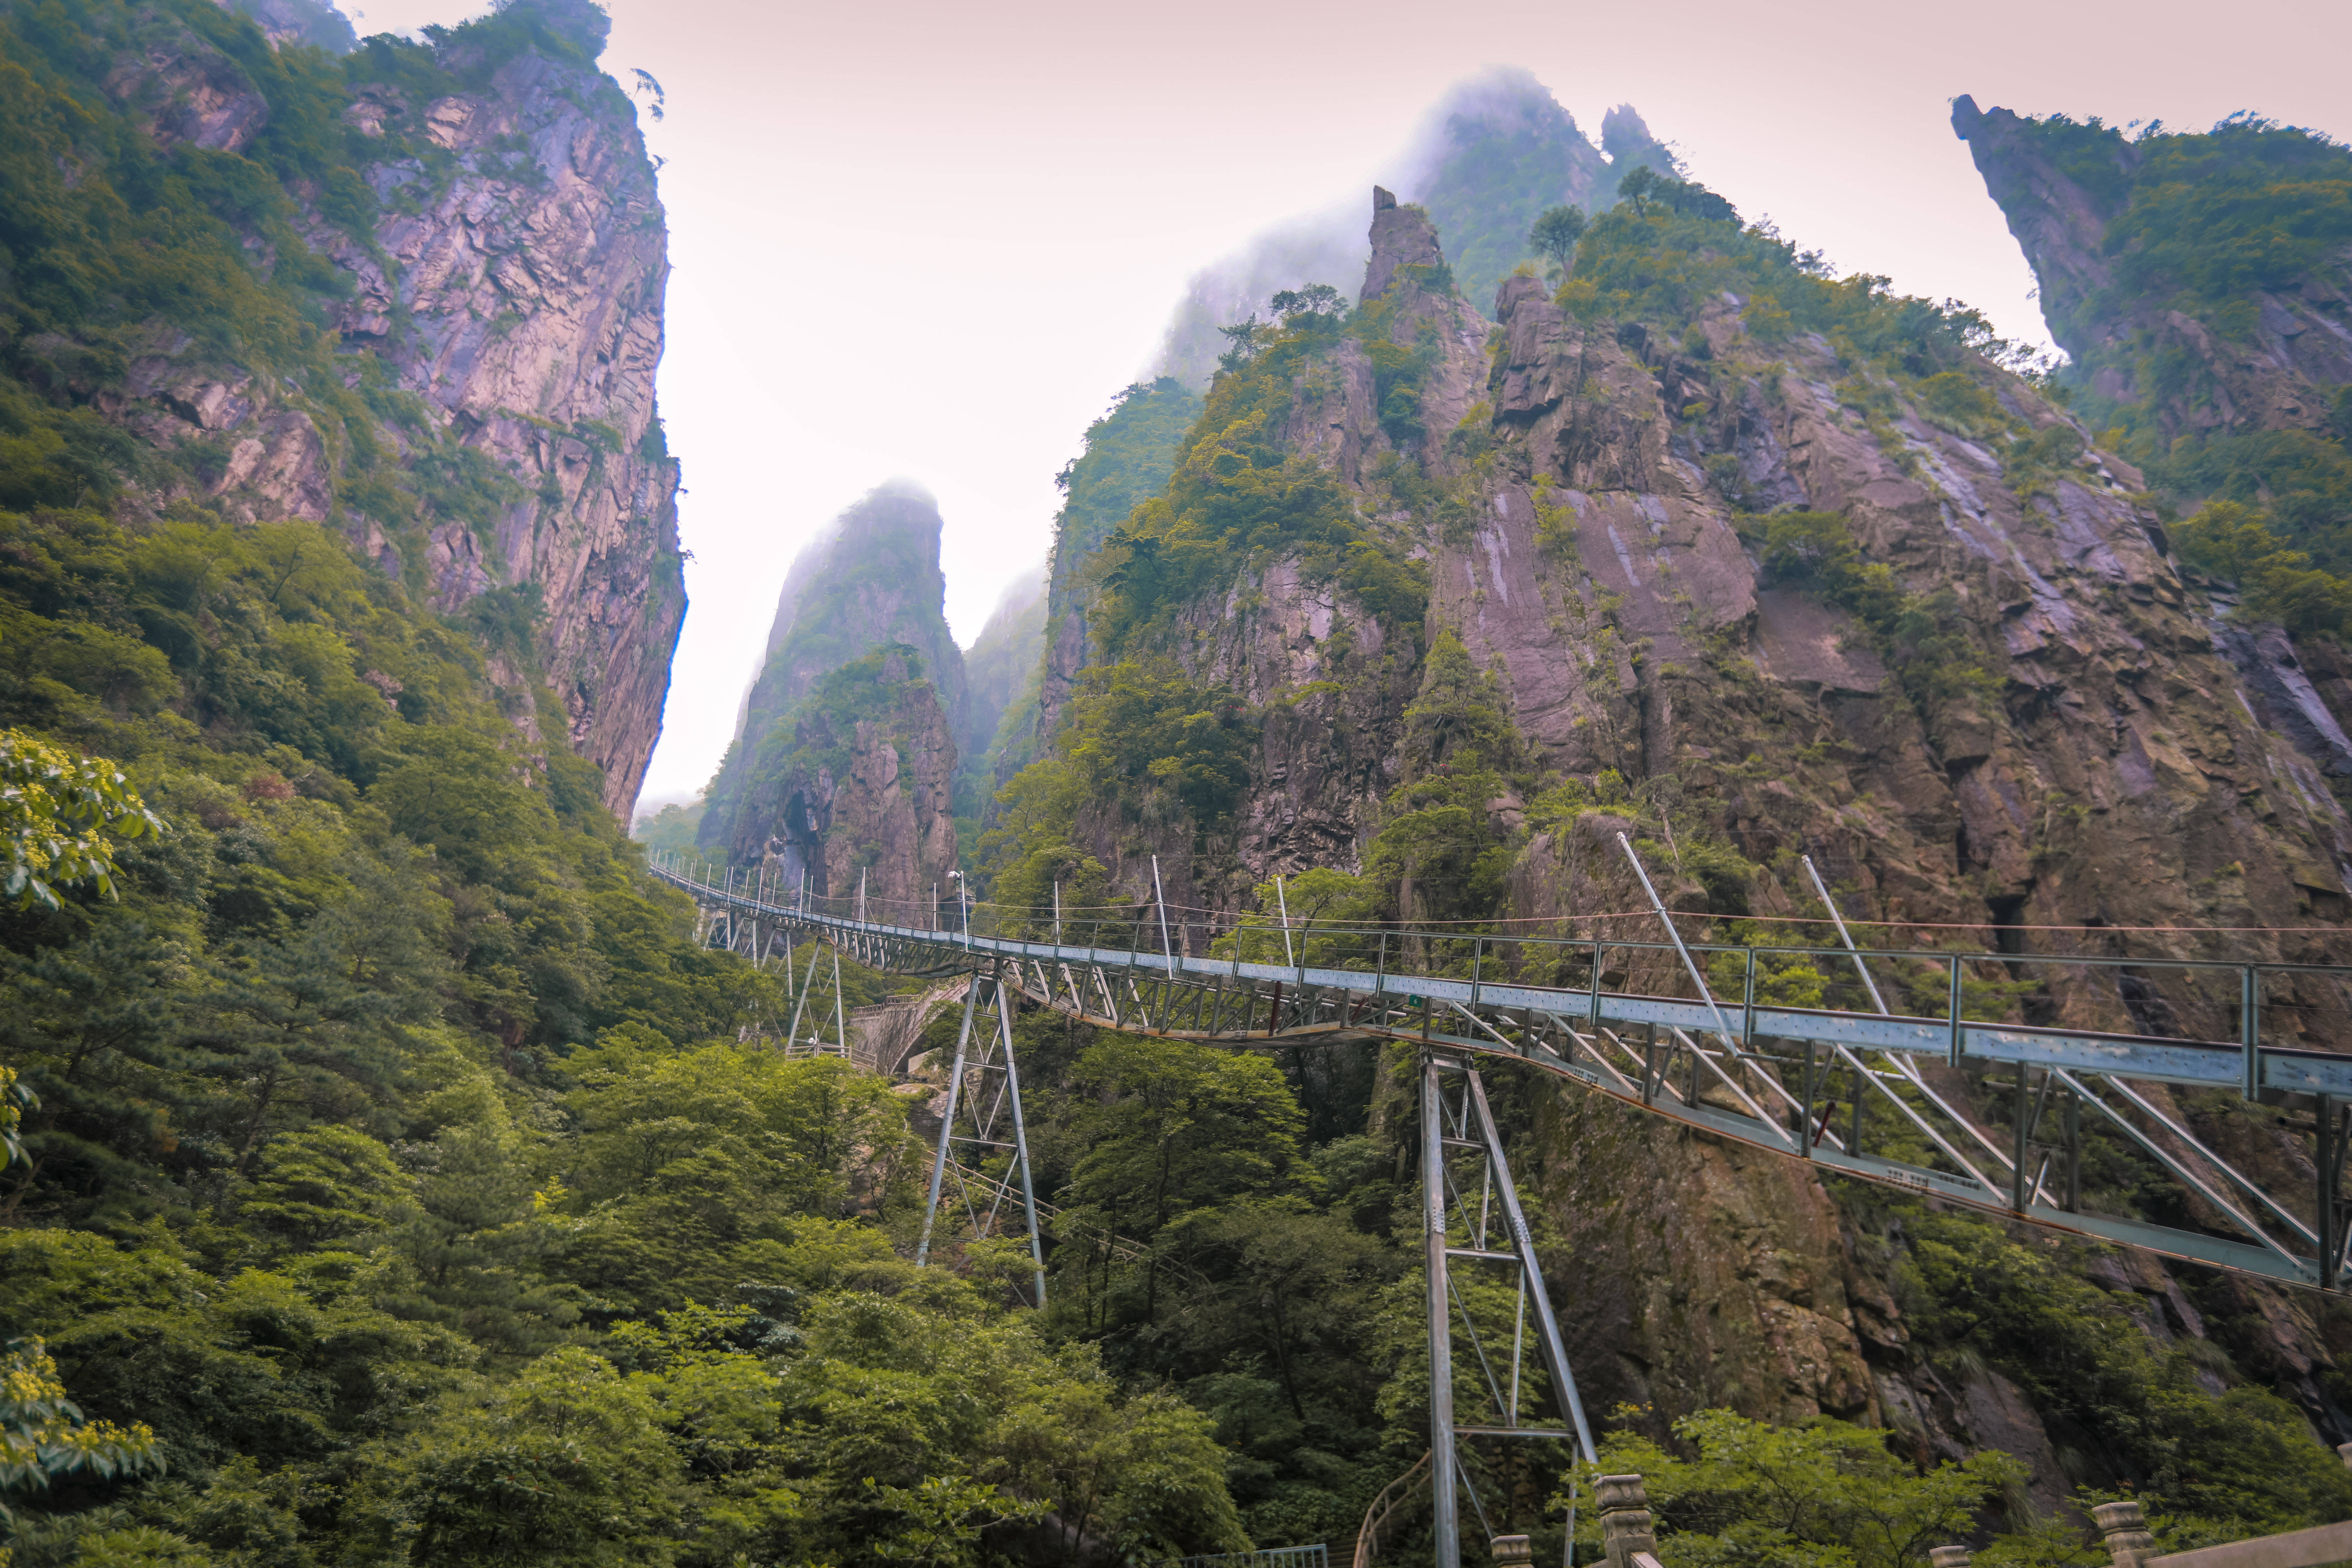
(1910, 1070)
(946, 1154)
(983, 1105)
(1458, 1128)
(2005, 1138)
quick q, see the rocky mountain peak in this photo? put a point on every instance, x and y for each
(1401, 236)
(1489, 157)
(2059, 221)
(285, 22)
(497, 254)
(583, 22)
(1625, 135)
(2220, 317)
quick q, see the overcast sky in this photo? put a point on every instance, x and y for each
(932, 241)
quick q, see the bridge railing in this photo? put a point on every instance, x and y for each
(2040, 1051)
(2259, 1009)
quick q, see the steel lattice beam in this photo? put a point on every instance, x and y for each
(1773, 1063)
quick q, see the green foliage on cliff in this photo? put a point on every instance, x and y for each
(822, 732)
(884, 551)
(2294, 485)
(1143, 739)
(1129, 452)
(1239, 498)
(2278, 583)
(2198, 221)
(1823, 1492)
(1676, 249)
(1921, 636)
(1440, 848)
(2138, 1411)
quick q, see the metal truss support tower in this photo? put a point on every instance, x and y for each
(1458, 1140)
(984, 1106)
(814, 978)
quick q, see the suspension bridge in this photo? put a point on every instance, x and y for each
(1983, 1114)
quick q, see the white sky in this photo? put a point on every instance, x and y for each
(932, 240)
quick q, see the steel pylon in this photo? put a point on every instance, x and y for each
(819, 1005)
(1459, 1145)
(983, 1107)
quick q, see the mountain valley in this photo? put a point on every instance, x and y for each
(398, 1170)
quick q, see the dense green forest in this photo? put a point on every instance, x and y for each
(390, 1153)
(390, 1176)
(387, 1176)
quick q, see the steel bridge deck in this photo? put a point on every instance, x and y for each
(1633, 1048)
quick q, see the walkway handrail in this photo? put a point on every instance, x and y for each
(1369, 1537)
(2199, 1064)
(1649, 1051)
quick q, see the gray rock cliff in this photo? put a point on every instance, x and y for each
(502, 306)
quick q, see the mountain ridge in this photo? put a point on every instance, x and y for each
(474, 224)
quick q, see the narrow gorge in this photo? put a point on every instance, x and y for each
(1433, 596)
(412, 1154)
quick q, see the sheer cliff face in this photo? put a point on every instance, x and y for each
(872, 582)
(855, 795)
(2117, 773)
(1588, 496)
(530, 290)
(1004, 665)
(2203, 284)
(2263, 344)
(2112, 772)
(510, 283)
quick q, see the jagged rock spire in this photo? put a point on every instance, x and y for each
(1401, 236)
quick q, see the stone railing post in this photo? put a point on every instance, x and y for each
(1624, 1519)
(2124, 1529)
(1948, 1556)
(1513, 1551)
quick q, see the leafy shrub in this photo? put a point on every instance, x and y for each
(1822, 1491)
(1960, 403)
(1237, 497)
(1920, 634)
(2280, 584)
(1669, 256)
(2136, 1411)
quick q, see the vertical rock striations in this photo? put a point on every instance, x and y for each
(474, 221)
(859, 661)
(523, 301)
(1775, 566)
